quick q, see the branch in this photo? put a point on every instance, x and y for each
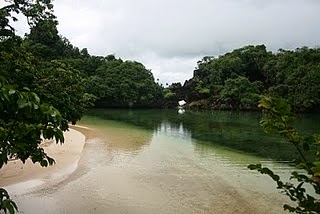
(290, 138)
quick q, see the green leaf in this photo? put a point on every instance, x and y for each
(10, 208)
(12, 91)
(59, 136)
(14, 205)
(254, 166)
(22, 103)
(37, 99)
(275, 177)
(51, 161)
(300, 185)
(44, 163)
(295, 174)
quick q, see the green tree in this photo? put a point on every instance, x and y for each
(240, 93)
(201, 89)
(292, 74)
(45, 42)
(63, 87)
(25, 120)
(296, 76)
(213, 77)
(305, 191)
(119, 83)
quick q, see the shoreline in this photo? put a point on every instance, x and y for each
(120, 179)
(14, 174)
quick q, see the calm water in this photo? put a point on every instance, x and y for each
(238, 131)
(158, 161)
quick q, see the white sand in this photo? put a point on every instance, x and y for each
(66, 156)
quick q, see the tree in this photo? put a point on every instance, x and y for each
(294, 75)
(63, 87)
(119, 83)
(26, 120)
(240, 93)
(305, 192)
(23, 121)
(34, 11)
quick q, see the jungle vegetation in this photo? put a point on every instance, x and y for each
(47, 83)
(236, 80)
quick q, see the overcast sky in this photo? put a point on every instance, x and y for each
(170, 36)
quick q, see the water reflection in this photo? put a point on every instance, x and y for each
(237, 130)
(209, 138)
(181, 111)
(212, 154)
(153, 162)
(176, 130)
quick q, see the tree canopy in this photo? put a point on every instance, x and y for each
(119, 83)
(236, 79)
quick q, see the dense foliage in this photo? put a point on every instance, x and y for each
(305, 192)
(235, 80)
(118, 83)
(39, 96)
(46, 83)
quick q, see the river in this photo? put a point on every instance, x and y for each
(159, 161)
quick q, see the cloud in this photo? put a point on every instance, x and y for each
(169, 70)
(170, 36)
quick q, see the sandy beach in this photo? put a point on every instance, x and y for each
(66, 156)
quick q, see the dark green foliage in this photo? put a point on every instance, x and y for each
(87, 65)
(296, 77)
(120, 83)
(6, 204)
(23, 121)
(56, 82)
(30, 71)
(112, 81)
(231, 81)
(62, 86)
(235, 80)
(240, 93)
(278, 118)
(45, 42)
(35, 11)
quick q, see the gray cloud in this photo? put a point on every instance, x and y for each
(170, 36)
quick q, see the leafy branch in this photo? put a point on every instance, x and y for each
(23, 121)
(278, 118)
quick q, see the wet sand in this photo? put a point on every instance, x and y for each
(66, 158)
(125, 170)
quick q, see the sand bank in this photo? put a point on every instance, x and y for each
(66, 156)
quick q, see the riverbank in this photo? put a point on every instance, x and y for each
(66, 156)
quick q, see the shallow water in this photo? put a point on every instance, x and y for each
(148, 162)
